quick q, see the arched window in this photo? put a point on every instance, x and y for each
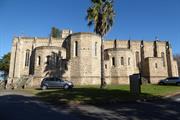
(113, 61)
(59, 54)
(105, 66)
(57, 60)
(54, 58)
(129, 61)
(156, 65)
(27, 57)
(75, 48)
(162, 55)
(39, 61)
(95, 49)
(122, 61)
(48, 60)
(137, 59)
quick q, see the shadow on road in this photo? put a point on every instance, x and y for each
(19, 107)
(109, 104)
(157, 110)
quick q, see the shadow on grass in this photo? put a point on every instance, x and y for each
(20, 107)
(91, 96)
(113, 104)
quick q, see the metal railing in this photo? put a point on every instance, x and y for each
(23, 81)
(2, 84)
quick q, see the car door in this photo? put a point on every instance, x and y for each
(58, 82)
(49, 82)
(61, 83)
(166, 81)
(55, 82)
(172, 80)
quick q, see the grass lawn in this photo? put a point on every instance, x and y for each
(94, 95)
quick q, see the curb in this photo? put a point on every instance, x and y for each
(171, 95)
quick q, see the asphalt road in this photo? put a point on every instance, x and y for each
(20, 106)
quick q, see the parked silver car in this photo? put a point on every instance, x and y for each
(55, 83)
(170, 81)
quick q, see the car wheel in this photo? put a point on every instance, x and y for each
(66, 86)
(44, 87)
(178, 84)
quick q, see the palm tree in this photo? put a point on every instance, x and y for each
(101, 15)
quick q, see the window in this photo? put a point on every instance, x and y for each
(27, 58)
(57, 60)
(162, 55)
(122, 61)
(76, 48)
(129, 61)
(115, 43)
(105, 66)
(48, 59)
(54, 58)
(66, 66)
(137, 59)
(59, 53)
(95, 49)
(113, 61)
(156, 65)
(39, 61)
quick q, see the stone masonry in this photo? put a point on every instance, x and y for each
(76, 57)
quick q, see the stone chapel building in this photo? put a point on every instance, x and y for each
(76, 57)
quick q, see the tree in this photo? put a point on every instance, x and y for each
(4, 65)
(101, 15)
(55, 32)
(177, 58)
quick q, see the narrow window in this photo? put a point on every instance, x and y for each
(137, 59)
(76, 48)
(105, 66)
(27, 58)
(48, 60)
(113, 61)
(95, 49)
(115, 43)
(162, 55)
(129, 61)
(59, 53)
(65, 65)
(54, 58)
(57, 60)
(39, 61)
(122, 61)
(156, 65)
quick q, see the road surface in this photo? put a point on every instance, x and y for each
(21, 106)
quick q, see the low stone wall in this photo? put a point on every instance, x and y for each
(155, 80)
(117, 80)
(86, 80)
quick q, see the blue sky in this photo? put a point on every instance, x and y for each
(135, 19)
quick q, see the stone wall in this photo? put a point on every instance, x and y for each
(80, 59)
(84, 56)
(155, 70)
(48, 62)
(119, 65)
(19, 50)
